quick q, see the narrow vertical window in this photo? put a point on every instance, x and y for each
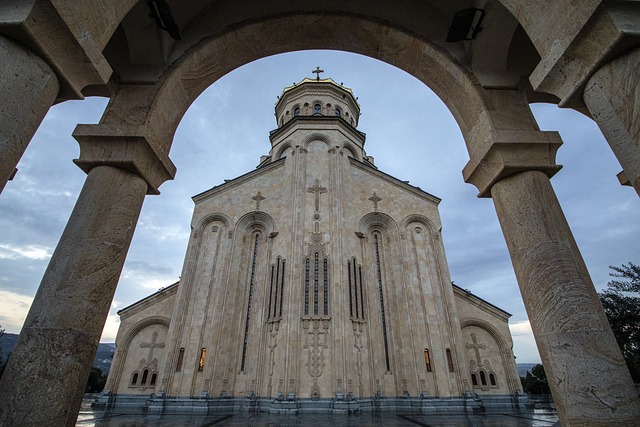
(296, 111)
(350, 289)
(384, 322)
(474, 379)
(361, 291)
(271, 292)
(492, 379)
(317, 109)
(180, 359)
(449, 360)
(306, 287)
(483, 378)
(134, 379)
(427, 359)
(281, 289)
(355, 275)
(338, 112)
(203, 354)
(325, 289)
(145, 374)
(316, 279)
(248, 317)
(153, 379)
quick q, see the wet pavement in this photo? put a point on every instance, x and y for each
(543, 415)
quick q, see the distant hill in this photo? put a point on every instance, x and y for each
(103, 358)
(524, 367)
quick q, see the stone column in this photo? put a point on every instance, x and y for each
(587, 373)
(612, 98)
(45, 378)
(28, 87)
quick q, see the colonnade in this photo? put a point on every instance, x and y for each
(45, 377)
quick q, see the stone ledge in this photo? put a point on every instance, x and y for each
(512, 152)
(77, 60)
(124, 147)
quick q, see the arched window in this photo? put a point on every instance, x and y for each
(296, 111)
(153, 379)
(317, 109)
(483, 378)
(474, 379)
(134, 378)
(492, 379)
(338, 112)
(145, 374)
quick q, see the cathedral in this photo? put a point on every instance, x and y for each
(314, 282)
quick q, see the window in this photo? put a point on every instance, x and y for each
(449, 360)
(180, 359)
(474, 379)
(317, 109)
(356, 301)
(427, 359)
(203, 354)
(145, 374)
(492, 379)
(483, 378)
(296, 111)
(338, 112)
(320, 275)
(384, 322)
(153, 379)
(134, 378)
(276, 290)
(251, 283)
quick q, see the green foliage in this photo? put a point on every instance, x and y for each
(621, 303)
(536, 381)
(96, 381)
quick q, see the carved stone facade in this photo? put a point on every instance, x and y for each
(315, 278)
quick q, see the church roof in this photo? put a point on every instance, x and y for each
(160, 291)
(467, 293)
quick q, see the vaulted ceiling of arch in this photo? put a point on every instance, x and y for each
(140, 52)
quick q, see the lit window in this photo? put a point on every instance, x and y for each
(427, 359)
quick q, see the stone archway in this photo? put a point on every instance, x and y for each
(126, 156)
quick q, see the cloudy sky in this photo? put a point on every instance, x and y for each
(410, 133)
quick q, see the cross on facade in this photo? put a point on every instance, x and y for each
(317, 190)
(375, 199)
(476, 347)
(317, 72)
(258, 198)
(151, 345)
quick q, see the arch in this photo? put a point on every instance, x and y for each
(487, 327)
(159, 108)
(421, 219)
(377, 221)
(316, 137)
(208, 219)
(126, 342)
(256, 220)
(352, 149)
(281, 149)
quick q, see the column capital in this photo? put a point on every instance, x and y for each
(126, 147)
(52, 32)
(565, 69)
(511, 152)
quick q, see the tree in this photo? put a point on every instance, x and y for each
(535, 382)
(96, 381)
(621, 303)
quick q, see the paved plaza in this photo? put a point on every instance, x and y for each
(540, 416)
